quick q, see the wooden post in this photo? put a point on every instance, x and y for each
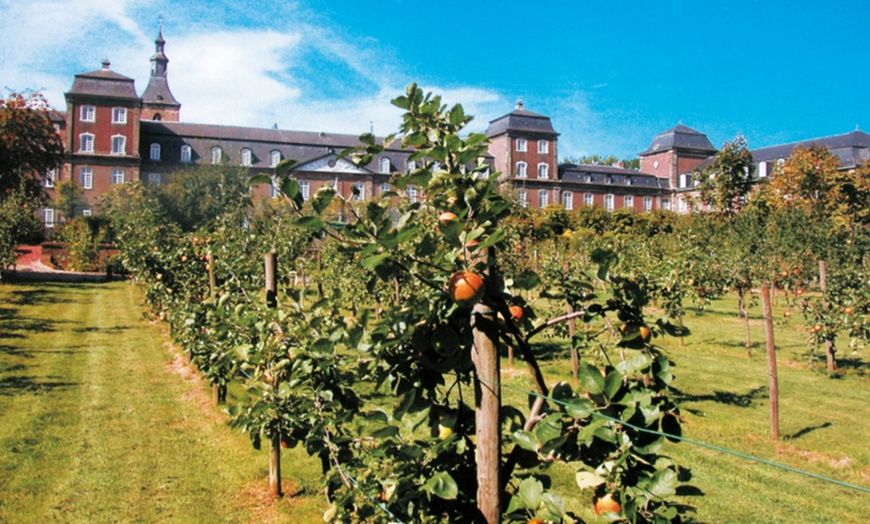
(212, 283)
(829, 344)
(488, 430)
(271, 270)
(771, 361)
(572, 328)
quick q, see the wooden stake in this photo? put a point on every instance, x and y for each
(771, 361)
(212, 283)
(488, 430)
(271, 270)
(572, 328)
(829, 344)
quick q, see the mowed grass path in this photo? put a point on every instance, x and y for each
(99, 422)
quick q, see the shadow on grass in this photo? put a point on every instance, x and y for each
(11, 386)
(724, 397)
(806, 430)
(98, 329)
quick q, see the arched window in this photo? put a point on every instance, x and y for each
(119, 145)
(543, 170)
(274, 158)
(216, 155)
(522, 169)
(246, 157)
(186, 154)
(385, 165)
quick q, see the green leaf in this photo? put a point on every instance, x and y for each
(531, 490)
(590, 378)
(663, 484)
(290, 187)
(309, 222)
(442, 485)
(588, 479)
(526, 280)
(285, 166)
(525, 439)
(260, 179)
(579, 408)
(375, 260)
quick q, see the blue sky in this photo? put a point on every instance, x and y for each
(611, 75)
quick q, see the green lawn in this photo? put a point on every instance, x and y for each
(99, 422)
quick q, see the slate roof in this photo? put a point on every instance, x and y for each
(683, 138)
(104, 83)
(158, 92)
(595, 175)
(852, 149)
(523, 121)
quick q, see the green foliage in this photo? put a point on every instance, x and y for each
(725, 183)
(17, 223)
(197, 196)
(70, 199)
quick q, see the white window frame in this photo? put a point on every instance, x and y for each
(762, 170)
(412, 194)
(154, 179)
(186, 154)
(274, 158)
(522, 145)
(305, 189)
(86, 143)
(543, 171)
(48, 217)
(568, 200)
(666, 204)
(119, 115)
(384, 165)
(122, 140)
(88, 114)
(86, 177)
(523, 197)
(543, 198)
(588, 199)
(49, 178)
(522, 169)
(608, 202)
(87, 212)
(543, 147)
(217, 155)
(118, 176)
(647, 204)
(247, 157)
(385, 188)
(360, 195)
(628, 201)
(411, 165)
(155, 152)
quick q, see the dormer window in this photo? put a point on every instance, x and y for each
(186, 154)
(88, 114)
(119, 115)
(385, 165)
(762, 170)
(216, 155)
(274, 158)
(543, 147)
(246, 157)
(522, 145)
(411, 166)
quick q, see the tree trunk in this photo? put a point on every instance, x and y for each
(741, 306)
(829, 344)
(771, 362)
(488, 431)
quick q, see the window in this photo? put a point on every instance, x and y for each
(568, 200)
(385, 188)
(412, 194)
(359, 192)
(682, 206)
(543, 147)
(647, 204)
(246, 157)
(86, 178)
(588, 199)
(522, 196)
(86, 143)
(608, 202)
(685, 179)
(216, 155)
(305, 189)
(411, 165)
(522, 146)
(274, 158)
(385, 165)
(762, 170)
(543, 171)
(186, 154)
(87, 212)
(666, 204)
(49, 178)
(48, 217)
(119, 115)
(543, 198)
(117, 176)
(521, 170)
(628, 201)
(119, 145)
(273, 191)
(88, 114)
(155, 151)
(154, 178)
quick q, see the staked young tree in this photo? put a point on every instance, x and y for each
(728, 179)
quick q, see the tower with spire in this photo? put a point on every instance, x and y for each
(157, 100)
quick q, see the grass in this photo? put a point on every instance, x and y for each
(99, 422)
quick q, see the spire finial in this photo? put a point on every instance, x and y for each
(106, 63)
(519, 104)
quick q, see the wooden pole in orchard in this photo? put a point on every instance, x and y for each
(212, 283)
(572, 328)
(771, 361)
(271, 268)
(829, 344)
